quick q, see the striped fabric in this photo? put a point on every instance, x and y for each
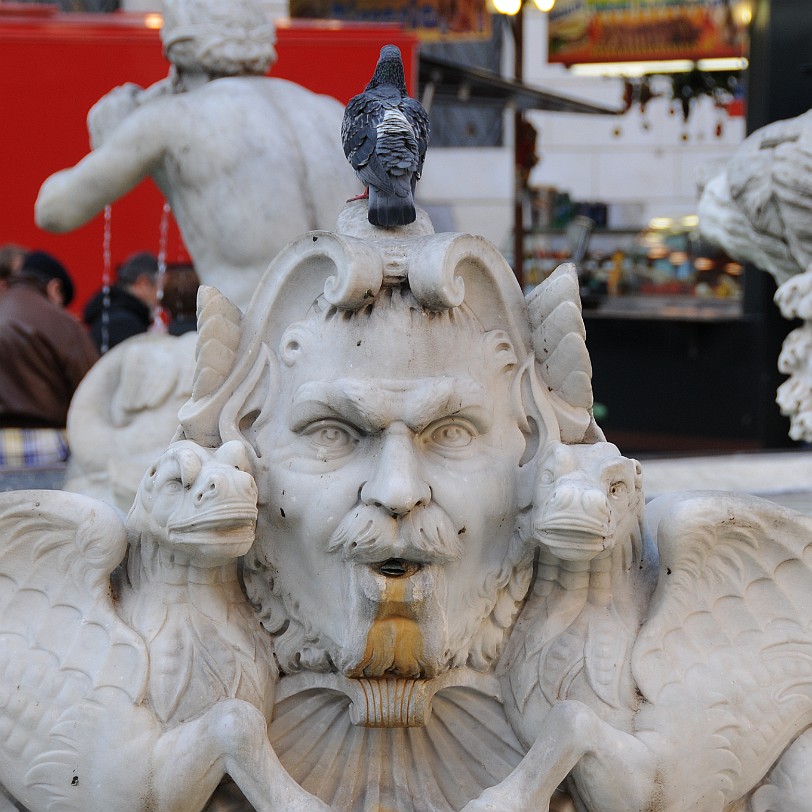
(24, 448)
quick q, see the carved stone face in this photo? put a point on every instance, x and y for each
(389, 495)
(201, 503)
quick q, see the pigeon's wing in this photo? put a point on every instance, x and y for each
(418, 118)
(359, 137)
(729, 632)
(57, 553)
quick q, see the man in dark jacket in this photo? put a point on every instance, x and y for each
(44, 354)
(131, 299)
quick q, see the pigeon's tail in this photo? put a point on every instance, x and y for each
(388, 210)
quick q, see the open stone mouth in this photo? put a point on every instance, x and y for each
(397, 567)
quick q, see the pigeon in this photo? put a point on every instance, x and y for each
(385, 134)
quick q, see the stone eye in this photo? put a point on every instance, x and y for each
(173, 485)
(546, 477)
(452, 435)
(330, 436)
(618, 489)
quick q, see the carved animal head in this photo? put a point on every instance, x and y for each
(587, 496)
(199, 501)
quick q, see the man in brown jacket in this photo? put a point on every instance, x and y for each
(44, 354)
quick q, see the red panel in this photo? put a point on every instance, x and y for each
(54, 67)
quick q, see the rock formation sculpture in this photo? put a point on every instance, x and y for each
(758, 210)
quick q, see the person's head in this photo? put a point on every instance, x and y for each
(11, 260)
(180, 291)
(218, 37)
(51, 276)
(138, 275)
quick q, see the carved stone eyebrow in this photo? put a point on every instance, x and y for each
(372, 405)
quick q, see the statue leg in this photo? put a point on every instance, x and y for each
(231, 738)
(609, 765)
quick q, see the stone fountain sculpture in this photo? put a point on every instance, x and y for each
(125, 412)
(443, 592)
(389, 561)
(759, 209)
(246, 162)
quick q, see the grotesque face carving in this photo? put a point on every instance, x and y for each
(199, 502)
(388, 492)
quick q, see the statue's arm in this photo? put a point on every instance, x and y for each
(71, 197)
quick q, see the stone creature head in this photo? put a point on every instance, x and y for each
(197, 503)
(588, 498)
(385, 386)
(218, 37)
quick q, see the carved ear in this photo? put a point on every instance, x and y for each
(558, 337)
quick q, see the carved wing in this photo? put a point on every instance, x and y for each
(559, 343)
(60, 638)
(729, 633)
(58, 552)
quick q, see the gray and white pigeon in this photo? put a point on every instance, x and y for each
(385, 134)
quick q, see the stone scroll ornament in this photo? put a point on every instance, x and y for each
(759, 210)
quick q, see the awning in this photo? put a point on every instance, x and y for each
(448, 81)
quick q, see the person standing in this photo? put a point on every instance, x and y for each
(131, 301)
(44, 354)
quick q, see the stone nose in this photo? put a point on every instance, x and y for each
(577, 498)
(211, 486)
(397, 484)
(224, 483)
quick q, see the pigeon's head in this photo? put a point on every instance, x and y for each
(389, 70)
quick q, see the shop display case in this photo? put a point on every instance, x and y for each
(664, 269)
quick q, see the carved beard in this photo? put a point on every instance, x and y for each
(492, 603)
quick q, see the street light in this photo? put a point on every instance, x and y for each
(514, 9)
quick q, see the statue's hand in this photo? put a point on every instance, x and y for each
(110, 110)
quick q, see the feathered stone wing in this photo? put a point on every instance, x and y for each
(63, 650)
(725, 659)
